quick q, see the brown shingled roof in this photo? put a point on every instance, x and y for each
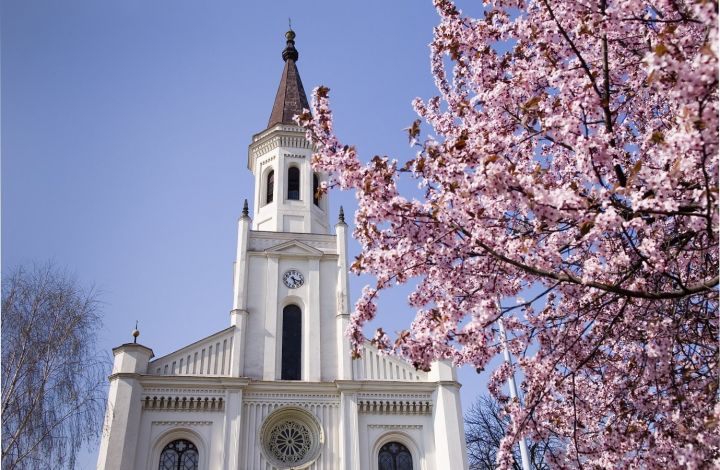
(290, 98)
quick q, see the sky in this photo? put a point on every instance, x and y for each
(124, 134)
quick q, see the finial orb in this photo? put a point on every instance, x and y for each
(290, 53)
(135, 333)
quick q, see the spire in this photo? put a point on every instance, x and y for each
(290, 98)
(245, 211)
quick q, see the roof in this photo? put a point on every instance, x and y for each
(290, 98)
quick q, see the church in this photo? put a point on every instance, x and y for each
(278, 389)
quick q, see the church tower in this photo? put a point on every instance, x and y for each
(279, 158)
(277, 389)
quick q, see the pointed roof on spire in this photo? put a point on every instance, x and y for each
(290, 98)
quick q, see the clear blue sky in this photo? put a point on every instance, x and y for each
(125, 128)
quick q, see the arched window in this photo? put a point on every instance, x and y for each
(316, 185)
(291, 342)
(179, 455)
(270, 187)
(394, 456)
(293, 183)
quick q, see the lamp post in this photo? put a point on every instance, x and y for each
(512, 385)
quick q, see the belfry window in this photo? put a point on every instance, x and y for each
(293, 183)
(291, 343)
(316, 186)
(394, 456)
(270, 187)
(179, 455)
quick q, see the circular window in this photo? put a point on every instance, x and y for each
(291, 438)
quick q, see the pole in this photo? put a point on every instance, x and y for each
(524, 456)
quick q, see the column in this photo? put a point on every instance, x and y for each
(122, 418)
(342, 317)
(238, 315)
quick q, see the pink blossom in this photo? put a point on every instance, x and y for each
(583, 163)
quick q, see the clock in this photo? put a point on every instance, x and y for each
(293, 278)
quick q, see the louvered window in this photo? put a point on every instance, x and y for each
(293, 183)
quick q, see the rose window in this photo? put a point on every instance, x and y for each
(291, 438)
(290, 441)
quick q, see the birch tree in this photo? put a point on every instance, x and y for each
(53, 379)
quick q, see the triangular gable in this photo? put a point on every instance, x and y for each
(294, 247)
(208, 356)
(375, 366)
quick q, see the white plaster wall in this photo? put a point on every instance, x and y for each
(328, 311)
(416, 432)
(257, 408)
(255, 334)
(317, 299)
(157, 428)
(299, 297)
(419, 432)
(264, 213)
(299, 216)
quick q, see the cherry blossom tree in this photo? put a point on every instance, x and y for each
(572, 151)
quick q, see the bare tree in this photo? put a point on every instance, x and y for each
(485, 426)
(53, 393)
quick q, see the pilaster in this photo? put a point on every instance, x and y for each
(450, 448)
(232, 425)
(272, 342)
(311, 327)
(349, 431)
(238, 318)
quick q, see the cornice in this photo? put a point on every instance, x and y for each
(380, 386)
(194, 381)
(132, 346)
(287, 236)
(291, 386)
(281, 136)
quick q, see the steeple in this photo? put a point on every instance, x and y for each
(280, 157)
(290, 98)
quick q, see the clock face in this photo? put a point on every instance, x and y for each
(293, 278)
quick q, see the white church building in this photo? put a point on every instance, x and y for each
(278, 389)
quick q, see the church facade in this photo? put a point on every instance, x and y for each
(278, 389)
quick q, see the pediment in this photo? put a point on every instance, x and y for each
(293, 248)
